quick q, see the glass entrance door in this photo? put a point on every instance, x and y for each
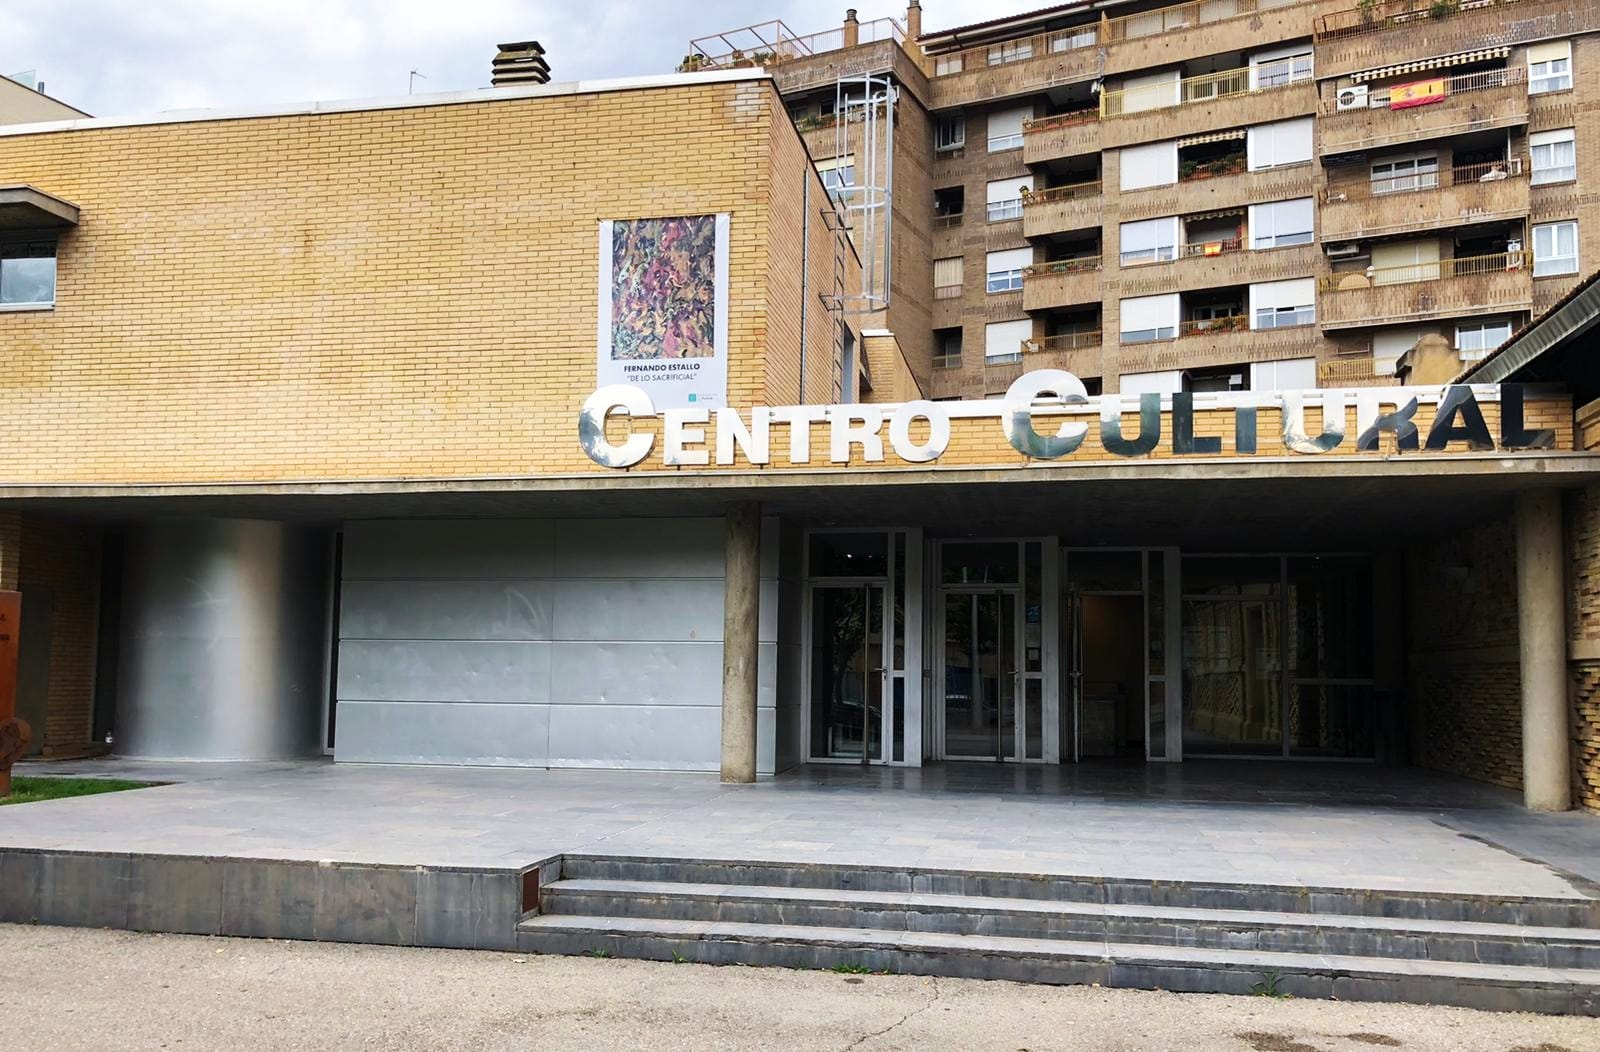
(847, 672)
(980, 674)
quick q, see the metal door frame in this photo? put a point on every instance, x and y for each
(1048, 673)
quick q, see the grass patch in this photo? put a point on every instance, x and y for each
(31, 790)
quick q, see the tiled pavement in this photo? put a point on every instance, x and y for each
(1320, 825)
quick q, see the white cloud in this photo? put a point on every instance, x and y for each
(113, 57)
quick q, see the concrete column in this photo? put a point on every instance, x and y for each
(1541, 625)
(741, 609)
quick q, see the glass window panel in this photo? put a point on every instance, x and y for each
(1332, 721)
(979, 562)
(899, 719)
(849, 555)
(1156, 731)
(1156, 604)
(1104, 571)
(1330, 617)
(1033, 608)
(1232, 679)
(1033, 719)
(28, 279)
(1230, 575)
(899, 600)
(840, 671)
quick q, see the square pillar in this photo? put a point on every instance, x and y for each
(1542, 634)
(741, 627)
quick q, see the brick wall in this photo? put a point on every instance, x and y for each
(1583, 631)
(1464, 682)
(399, 292)
(64, 558)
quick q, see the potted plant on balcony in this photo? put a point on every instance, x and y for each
(691, 63)
(1443, 8)
(1366, 7)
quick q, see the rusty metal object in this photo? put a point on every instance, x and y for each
(15, 734)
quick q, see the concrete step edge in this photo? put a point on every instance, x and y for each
(1005, 946)
(1577, 911)
(935, 901)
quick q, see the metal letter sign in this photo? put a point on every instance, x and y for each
(1044, 416)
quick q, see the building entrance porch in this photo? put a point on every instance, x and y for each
(1043, 653)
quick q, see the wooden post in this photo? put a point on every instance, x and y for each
(14, 732)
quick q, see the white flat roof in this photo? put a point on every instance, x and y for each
(396, 102)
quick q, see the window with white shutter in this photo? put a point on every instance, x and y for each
(1003, 340)
(1004, 269)
(1005, 128)
(1149, 241)
(1554, 155)
(1147, 318)
(1278, 144)
(1282, 304)
(1154, 164)
(1549, 67)
(1280, 223)
(1005, 198)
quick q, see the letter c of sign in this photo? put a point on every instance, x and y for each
(592, 426)
(1016, 415)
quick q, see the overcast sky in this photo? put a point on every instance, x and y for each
(113, 57)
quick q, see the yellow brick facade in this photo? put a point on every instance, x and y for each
(405, 292)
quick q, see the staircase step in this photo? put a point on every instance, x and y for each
(1362, 902)
(1063, 961)
(1264, 930)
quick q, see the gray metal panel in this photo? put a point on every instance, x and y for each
(676, 738)
(446, 610)
(221, 654)
(447, 548)
(664, 611)
(449, 733)
(514, 672)
(640, 548)
(626, 673)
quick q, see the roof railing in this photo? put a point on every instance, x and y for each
(1387, 14)
(773, 43)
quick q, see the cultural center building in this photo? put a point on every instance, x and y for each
(599, 425)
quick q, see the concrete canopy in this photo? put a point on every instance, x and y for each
(1301, 503)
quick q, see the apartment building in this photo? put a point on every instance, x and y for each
(1212, 196)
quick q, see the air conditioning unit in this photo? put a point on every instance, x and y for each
(1344, 250)
(1352, 98)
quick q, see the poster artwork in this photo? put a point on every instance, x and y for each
(664, 308)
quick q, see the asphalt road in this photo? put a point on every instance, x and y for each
(65, 988)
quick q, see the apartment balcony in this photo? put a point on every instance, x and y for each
(1057, 209)
(1355, 370)
(1227, 190)
(1496, 98)
(1215, 264)
(1479, 193)
(1425, 291)
(1062, 135)
(1355, 38)
(1194, 30)
(1232, 98)
(1014, 67)
(1065, 283)
(1076, 352)
(1219, 341)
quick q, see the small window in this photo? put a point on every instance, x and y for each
(1004, 269)
(1010, 51)
(1275, 73)
(27, 273)
(950, 132)
(1555, 248)
(947, 348)
(1281, 223)
(1554, 155)
(1474, 340)
(1217, 378)
(1550, 67)
(1401, 174)
(1285, 317)
(946, 64)
(948, 275)
(1149, 241)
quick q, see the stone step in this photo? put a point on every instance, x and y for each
(1341, 934)
(1063, 961)
(1363, 902)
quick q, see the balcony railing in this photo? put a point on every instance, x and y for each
(1069, 192)
(1245, 80)
(1227, 323)
(1008, 51)
(1415, 182)
(1061, 266)
(947, 221)
(772, 44)
(1060, 120)
(1180, 17)
(1439, 270)
(1459, 84)
(1066, 341)
(1211, 248)
(1386, 14)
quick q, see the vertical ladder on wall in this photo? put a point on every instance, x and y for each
(838, 297)
(863, 130)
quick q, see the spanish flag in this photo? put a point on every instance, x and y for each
(1419, 94)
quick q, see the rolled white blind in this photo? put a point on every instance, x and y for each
(1009, 259)
(1008, 122)
(1009, 189)
(1154, 164)
(1006, 337)
(1139, 313)
(1549, 51)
